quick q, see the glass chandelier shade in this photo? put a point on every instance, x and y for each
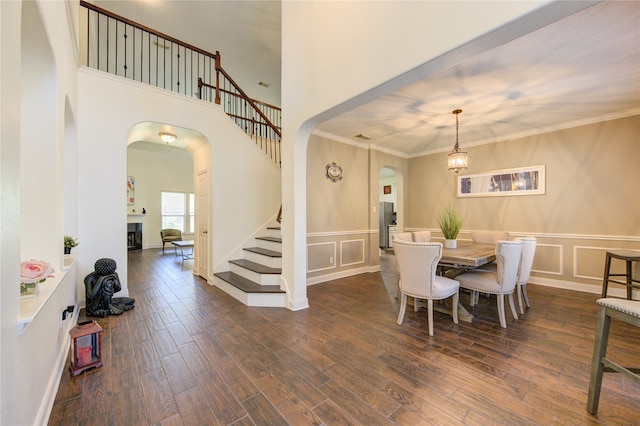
(457, 160)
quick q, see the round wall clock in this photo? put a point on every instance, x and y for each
(334, 172)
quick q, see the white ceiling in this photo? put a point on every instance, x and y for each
(578, 70)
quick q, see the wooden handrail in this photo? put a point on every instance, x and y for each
(249, 101)
(105, 12)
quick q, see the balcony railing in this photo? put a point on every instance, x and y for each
(119, 46)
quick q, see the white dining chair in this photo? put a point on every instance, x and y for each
(488, 237)
(501, 282)
(524, 272)
(403, 236)
(417, 263)
(421, 236)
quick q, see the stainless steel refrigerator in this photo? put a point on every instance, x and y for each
(386, 219)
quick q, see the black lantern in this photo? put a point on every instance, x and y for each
(86, 346)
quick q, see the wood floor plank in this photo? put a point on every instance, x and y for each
(358, 409)
(262, 412)
(129, 408)
(223, 403)
(178, 374)
(158, 396)
(332, 414)
(163, 343)
(194, 409)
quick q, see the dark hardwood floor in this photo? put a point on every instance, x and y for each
(189, 354)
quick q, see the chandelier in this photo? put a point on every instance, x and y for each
(457, 159)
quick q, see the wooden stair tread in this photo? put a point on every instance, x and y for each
(255, 267)
(264, 252)
(246, 285)
(274, 228)
(271, 239)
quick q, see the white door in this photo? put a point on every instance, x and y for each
(203, 227)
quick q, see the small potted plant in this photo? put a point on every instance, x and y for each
(69, 243)
(450, 224)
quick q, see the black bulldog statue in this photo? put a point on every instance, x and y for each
(100, 286)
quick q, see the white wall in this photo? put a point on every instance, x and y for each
(37, 154)
(154, 173)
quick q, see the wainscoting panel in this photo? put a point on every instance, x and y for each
(321, 256)
(351, 252)
(589, 262)
(548, 259)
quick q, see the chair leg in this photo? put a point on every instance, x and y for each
(454, 307)
(599, 352)
(501, 315)
(416, 308)
(525, 295)
(512, 305)
(163, 243)
(520, 299)
(403, 307)
(430, 315)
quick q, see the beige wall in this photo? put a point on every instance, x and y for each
(591, 204)
(592, 183)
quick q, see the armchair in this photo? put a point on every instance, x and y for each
(169, 235)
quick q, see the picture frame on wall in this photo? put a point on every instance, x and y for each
(503, 183)
(131, 190)
(386, 189)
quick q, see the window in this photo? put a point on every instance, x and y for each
(178, 210)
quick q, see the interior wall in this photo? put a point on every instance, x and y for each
(38, 103)
(154, 173)
(338, 233)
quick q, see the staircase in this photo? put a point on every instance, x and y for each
(255, 279)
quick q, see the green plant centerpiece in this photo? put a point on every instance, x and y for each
(450, 223)
(69, 243)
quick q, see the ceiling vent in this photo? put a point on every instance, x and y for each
(363, 137)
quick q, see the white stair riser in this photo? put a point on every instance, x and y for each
(272, 262)
(262, 279)
(269, 300)
(274, 233)
(269, 245)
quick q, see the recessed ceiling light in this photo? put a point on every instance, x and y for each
(167, 137)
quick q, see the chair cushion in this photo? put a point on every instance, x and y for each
(444, 287)
(480, 280)
(172, 238)
(629, 307)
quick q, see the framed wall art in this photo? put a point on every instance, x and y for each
(131, 190)
(503, 183)
(386, 189)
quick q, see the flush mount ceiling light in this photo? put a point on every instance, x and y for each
(457, 159)
(167, 137)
